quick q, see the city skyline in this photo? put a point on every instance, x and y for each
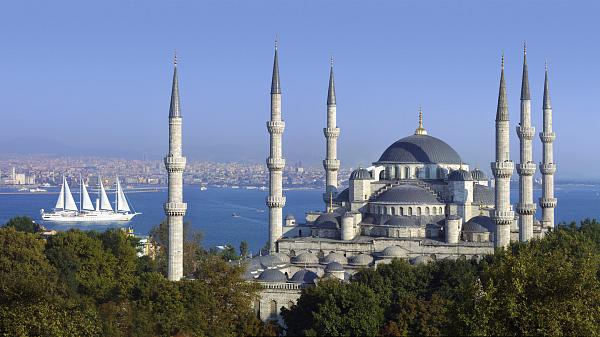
(107, 94)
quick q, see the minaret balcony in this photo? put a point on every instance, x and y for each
(275, 127)
(331, 132)
(525, 133)
(275, 164)
(548, 202)
(175, 208)
(174, 164)
(526, 169)
(547, 137)
(526, 209)
(503, 169)
(547, 169)
(504, 217)
(331, 164)
(275, 202)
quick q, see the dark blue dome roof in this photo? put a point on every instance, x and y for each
(460, 175)
(483, 195)
(360, 174)
(327, 220)
(478, 175)
(304, 276)
(272, 275)
(420, 149)
(408, 194)
(479, 224)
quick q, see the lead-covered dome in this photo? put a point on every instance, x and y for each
(460, 175)
(479, 224)
(304, 276)
(272, 275)
(420, 149)
(360, 174)
(478, 175)
(407, 194)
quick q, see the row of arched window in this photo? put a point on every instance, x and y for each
(408, 210)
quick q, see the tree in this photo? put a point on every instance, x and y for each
(333, 308)
(192, 248)
(244, 249)
(23, 224)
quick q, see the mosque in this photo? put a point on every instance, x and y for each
(419, 201)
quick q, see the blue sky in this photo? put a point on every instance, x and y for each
(83, 77)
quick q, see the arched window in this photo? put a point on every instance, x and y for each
(290, 304)
(393, 211)
(273, 308)
(418, 210)
(426, 210)
(434, 210)
(382, 175)
(407, 172)
(410, 211)
(401, 210)
(441, 211)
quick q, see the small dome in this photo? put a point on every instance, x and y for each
(272, 275)
(305, 258)
(272, 260)
(478, 175)
(394, 251)
(360, 260)
(460, 175)
(290, 217)
(408, 194)
(424, 259)
(304, 276)
(360, 174)
(327, 220)
(334, 257)
(282, 257)
(479, 224)
(333, 267)
(483, 195)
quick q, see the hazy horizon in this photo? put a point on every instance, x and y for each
(94, 79)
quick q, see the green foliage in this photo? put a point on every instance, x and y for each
(192, 247)
(93, 284)
(244, 250)
(23, 224)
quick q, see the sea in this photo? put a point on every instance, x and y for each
(230, 215)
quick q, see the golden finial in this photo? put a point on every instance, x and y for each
(175, 58)
(331, 61)
(546, 64)
(420, 130)
(276, 41)
(524, 47)
(502, 64)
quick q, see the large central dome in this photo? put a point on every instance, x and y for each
(420, 148)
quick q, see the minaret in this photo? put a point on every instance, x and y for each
(526, 169)
(502, 169)
(332, 132)
(275, 162)
(547, 167)
(175, 207)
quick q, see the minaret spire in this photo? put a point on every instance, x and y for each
(547, 166)
(331, 132)
(275, 162)
(526, 168)
(502, 168)
(175, 208)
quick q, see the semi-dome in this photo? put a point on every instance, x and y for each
(305, 258)
(333, 267)
(272, 275)
(304, 276)
(272, 260)
(327, 220)
(478, 175)
(394, 251)
(420, 149)
(407, 194)
(335, 257)
(360, 174)
(360, 260)
(479, 224)
(460, 175)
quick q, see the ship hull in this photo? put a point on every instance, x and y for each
(68, 216)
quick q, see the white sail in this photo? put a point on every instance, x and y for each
(60, 203)
(69, 201)
(104, 202)
(122, 205)
(86, 202)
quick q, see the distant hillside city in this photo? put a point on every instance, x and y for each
(48, 171)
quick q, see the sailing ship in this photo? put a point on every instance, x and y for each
(66, 209)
